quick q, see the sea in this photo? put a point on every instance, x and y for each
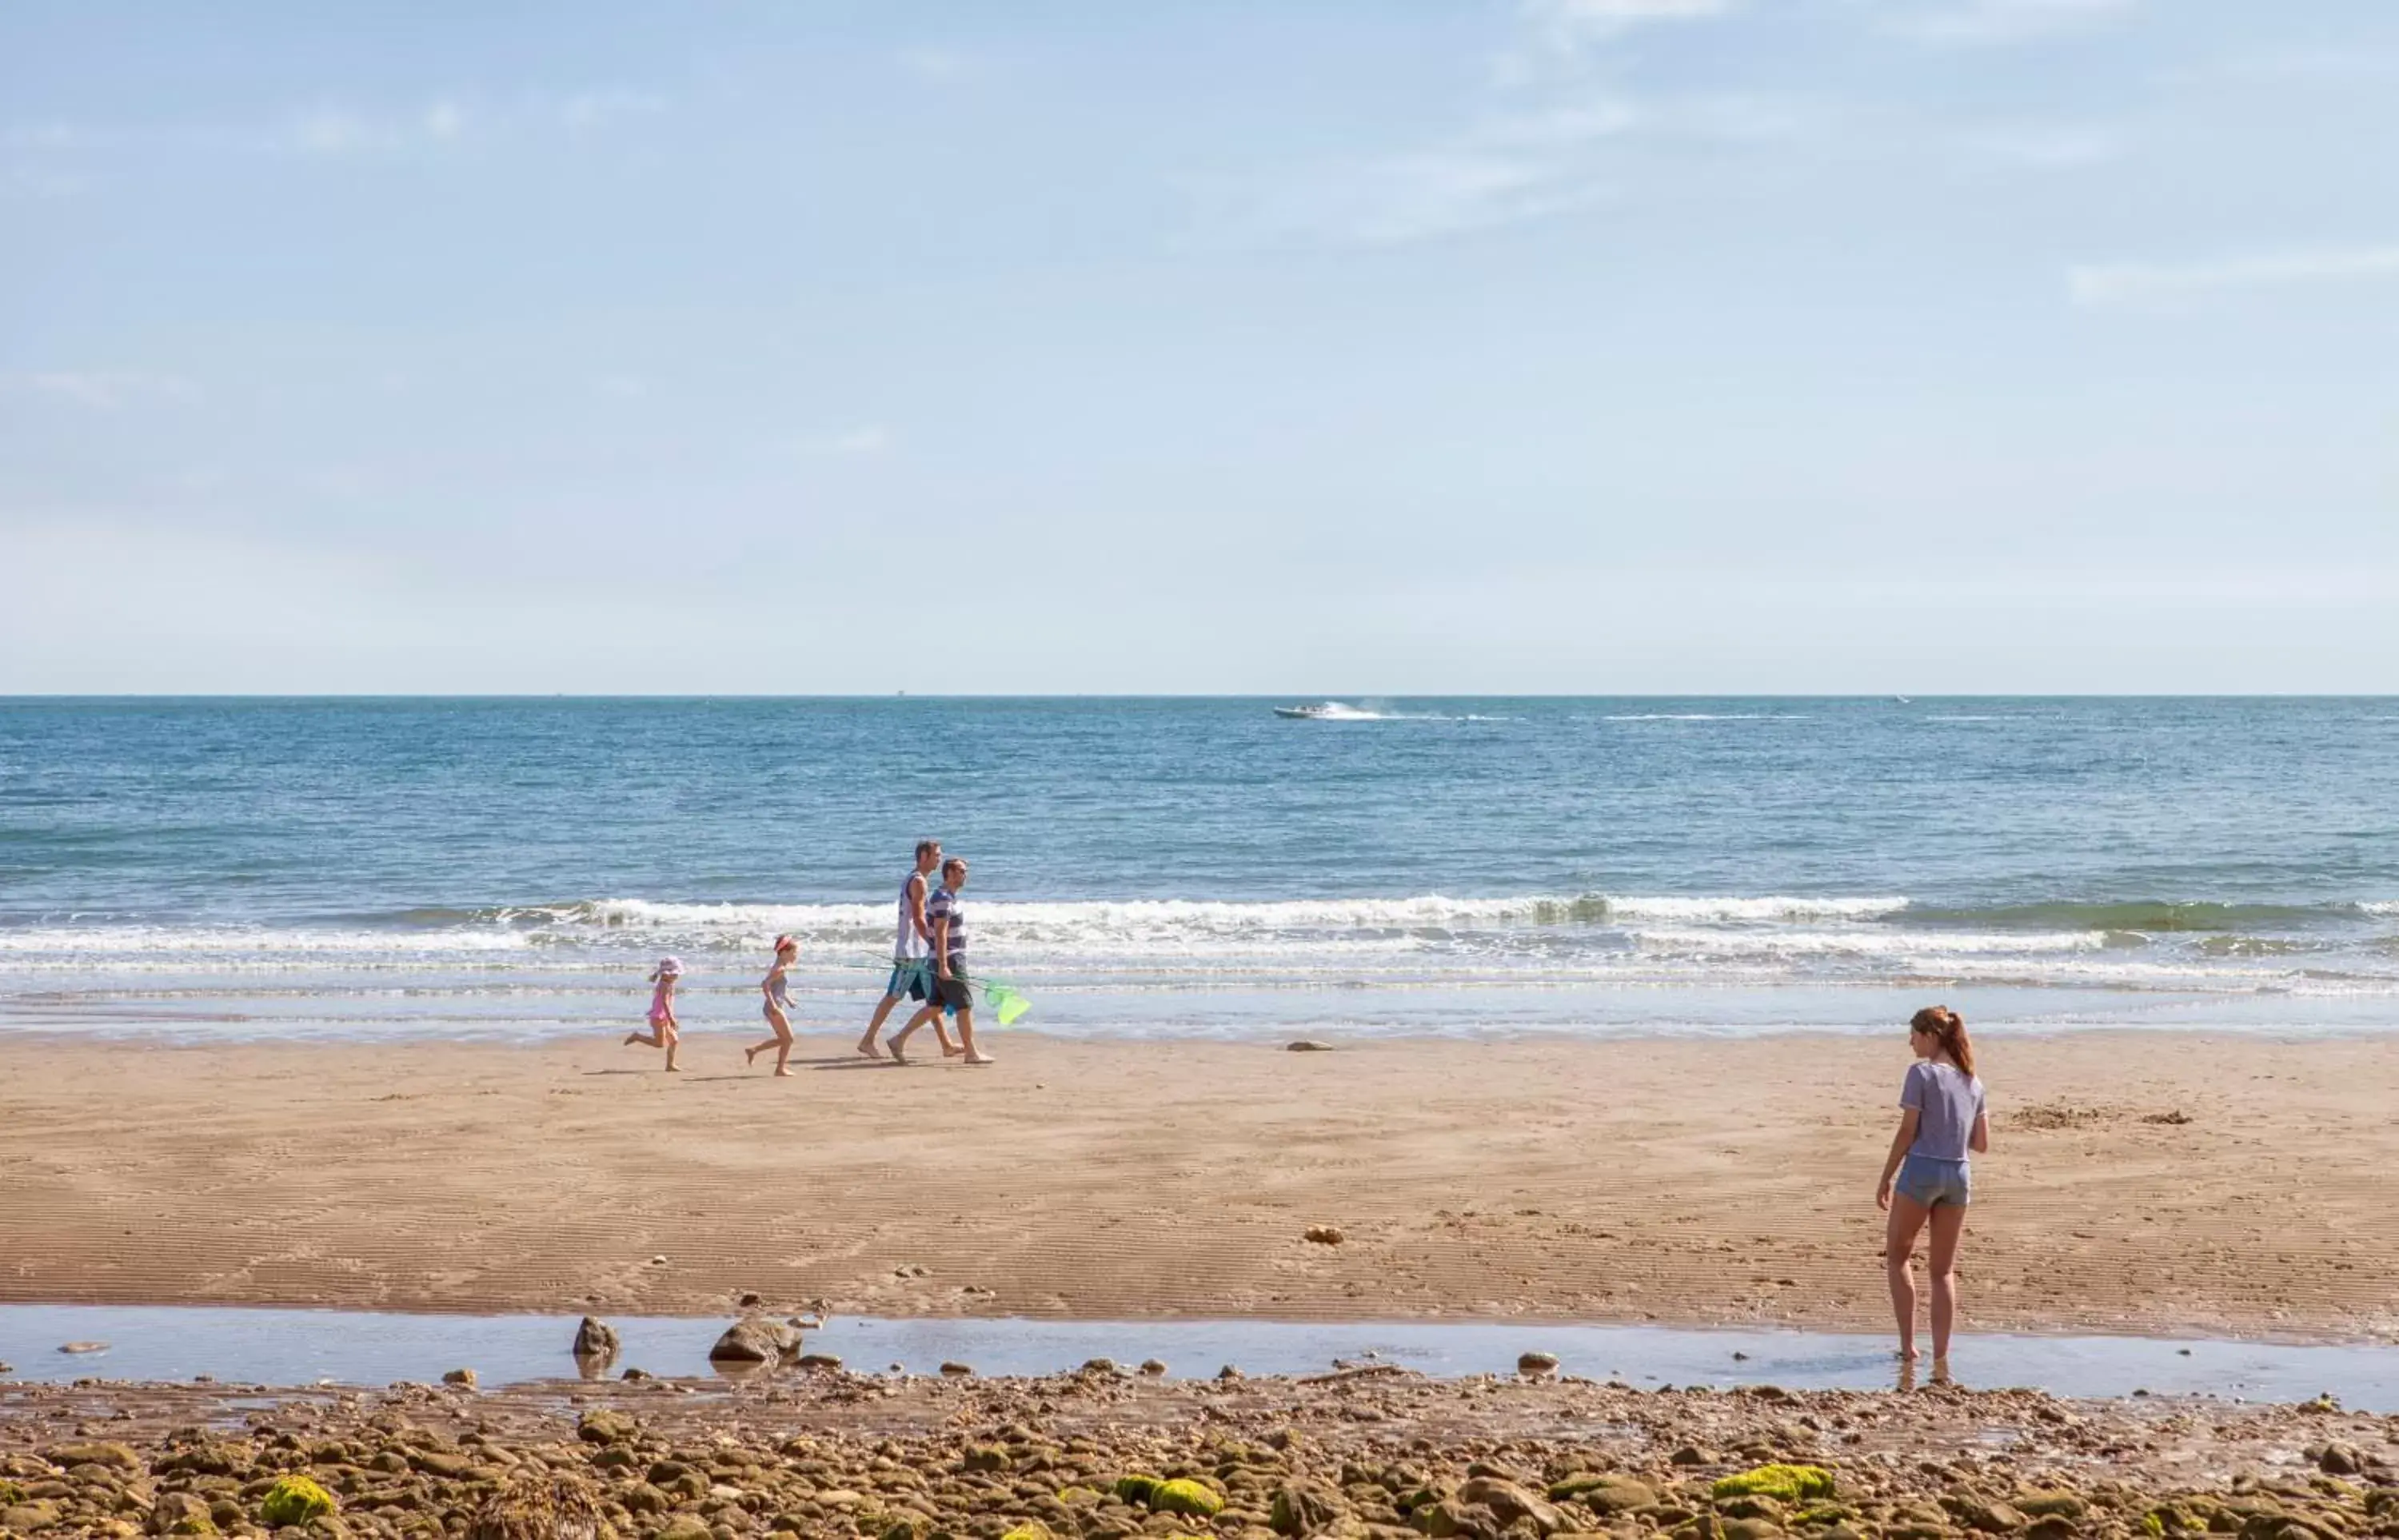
(1205, 868)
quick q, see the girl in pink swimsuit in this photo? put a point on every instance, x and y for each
(664, 1031)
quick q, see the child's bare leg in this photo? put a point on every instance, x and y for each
(783, 1052)
(966, 1035)
(674, 1041)
(642, 1039)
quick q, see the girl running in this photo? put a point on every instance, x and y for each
(664, 1033)
(1926, 1177)
(777, 987)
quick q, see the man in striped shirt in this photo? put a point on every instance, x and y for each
(950, 990)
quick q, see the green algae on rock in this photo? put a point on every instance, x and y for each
(295, 1500)
(1186, 1497)
(1788, 1483)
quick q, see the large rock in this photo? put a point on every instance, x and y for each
(596, 1339)
(1511, 1502)
(180, 1513)
(1303, 1508)
(756, 1339)
(538, 1504)
(1604, 1495)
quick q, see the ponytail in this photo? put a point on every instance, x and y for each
(1949, 1029)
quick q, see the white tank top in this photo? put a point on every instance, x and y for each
(910, 946)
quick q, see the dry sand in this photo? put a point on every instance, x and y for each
(2136, 1182)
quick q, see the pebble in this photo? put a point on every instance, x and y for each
(1325, 1234)
(1308, 1045)
(463, 1378)
(83, 1348)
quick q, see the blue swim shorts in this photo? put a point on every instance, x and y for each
(1931, 1182)
(909, 976)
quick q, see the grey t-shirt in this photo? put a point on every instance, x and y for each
(1948, 1100)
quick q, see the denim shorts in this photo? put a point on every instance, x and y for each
(1925, 1180)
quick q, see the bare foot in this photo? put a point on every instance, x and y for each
(782, 1074)
(867, 1047)
(674, 1069)
(631, 1038)
(951, 1050)
(978, 1059)
(893, 1047)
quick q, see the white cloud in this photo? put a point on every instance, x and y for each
(1991, 23)
(445, 120)
(2133, 283)
(1573, 23)
(101, 390)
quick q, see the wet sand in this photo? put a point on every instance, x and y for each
(2138, 1181)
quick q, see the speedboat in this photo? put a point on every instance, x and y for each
(1328, 711)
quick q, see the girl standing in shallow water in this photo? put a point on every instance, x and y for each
(664, 1033)
(1927, 1176)
(777, 987)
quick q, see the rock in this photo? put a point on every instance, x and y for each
(117, 1457)
(685, 1526)
(1188, 1498)
(1509, 1501)
(1536, 1365)
(1230, 1372)
(1756, 1505)
(1692, 1454)
(1450, 1517)
(24, 1518)
(1788, 1483)
(1101, 1366)
(180, 1513)
(83, 1348)
(1606, 1495)
(295, 1500)
(1303, 1508)
(2052, 1526)
(1989, 1517)
(2340, 1459)
(756, 1339)
(988, 1457)
(1325, 1234)
(818, 1361)
(1750, 1528)
(751, 1301)
(463, 1378)
(1032, 1528)
(2041, 1505)
(1153, 1367)
(957, 1371)
(636, 1374)
(596, 1339)
(602, 1426)
(538, 1504)
(1308, 1045)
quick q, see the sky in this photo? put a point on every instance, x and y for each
(1490, 346)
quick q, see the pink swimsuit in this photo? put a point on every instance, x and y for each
(659, 1004)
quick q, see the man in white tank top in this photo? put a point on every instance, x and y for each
(911, 952)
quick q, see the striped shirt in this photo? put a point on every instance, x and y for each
(945, 905)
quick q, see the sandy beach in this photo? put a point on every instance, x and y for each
(2136, 1182)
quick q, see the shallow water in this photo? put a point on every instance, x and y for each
(1201, 866)
(286, 1347)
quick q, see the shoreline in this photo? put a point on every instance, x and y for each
(2223, 1190)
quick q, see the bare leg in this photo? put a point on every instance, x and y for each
(674, 1041)
(867, 1045)
(642, 1039)
(1899, 1239)
(966, 1036)
(900, 1038)
(780, 1026)
(1948, 1229)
